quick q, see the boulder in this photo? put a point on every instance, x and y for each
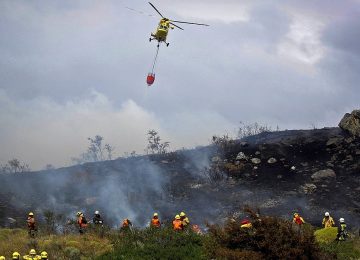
(255, 160)
(216, 159)
(323, 175)
(272, 160)
(241, 156)
(350, 123)
(335, 141)
(308, 188)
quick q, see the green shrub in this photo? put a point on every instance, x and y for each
(157, 244)
(326, 235)
(269, 238)
(72, 253)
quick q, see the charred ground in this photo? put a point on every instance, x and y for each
(310, 171)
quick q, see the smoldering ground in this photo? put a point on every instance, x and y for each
(136, 187)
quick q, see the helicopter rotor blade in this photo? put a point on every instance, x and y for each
(156, 10)
(190, 23)
(177, 26)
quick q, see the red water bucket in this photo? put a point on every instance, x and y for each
(150, 79)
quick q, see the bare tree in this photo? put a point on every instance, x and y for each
(14, 166)
(109, 149)
(96, 151)
(246, 130)
(154, 143)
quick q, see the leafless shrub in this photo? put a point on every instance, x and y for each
(155, 146)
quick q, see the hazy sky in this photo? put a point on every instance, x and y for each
(73, 69)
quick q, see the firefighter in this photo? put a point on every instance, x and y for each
(196, 229)
(342, 233)
(298, 219)
(177, 223)
(44, 255)
(184, 219)
(246, 224)
(126, 224)
(31, 223)
(16, 256)
(32, 255)
(82, 222)
(97, 219)
(155, 221)
(328, 221)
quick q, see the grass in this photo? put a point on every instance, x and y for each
(73, 246)
(157, 244)
(270, 238)
(349, 249)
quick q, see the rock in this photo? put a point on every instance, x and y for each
(164, 162)
(308, 188)
(216, 159)
(323, 174)
(349, 158)
(357, 152)
(329, 164)
(304, 164)
(244, 144)
(11, 220)
(272, 160)
(196, 186)
(350, 123)
(255, 168)
(293, 168)
(241, 156)
(258, 153)
(255, 160)
(349, 140)
(279, 176)
(335, 141)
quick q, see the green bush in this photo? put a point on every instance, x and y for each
(72, 253)
(157, 244)
(269, 238)
(326, 235)
(343, 249)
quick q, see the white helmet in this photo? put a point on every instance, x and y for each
(327, 214)
(342, 220)
(97, 212)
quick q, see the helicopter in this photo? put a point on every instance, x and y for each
(163, 28)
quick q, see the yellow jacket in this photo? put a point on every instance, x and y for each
(328, 222)
(185, 221)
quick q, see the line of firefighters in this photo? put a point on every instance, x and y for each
(31, 256)
(180, 222)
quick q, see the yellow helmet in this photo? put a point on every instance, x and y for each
(15, 255)
(156, 215)
(2, 257)
(32, 252)
(296, 214)
(177, 217)
(79, 214)
(182, 214)
(44, 255)
(31, 214)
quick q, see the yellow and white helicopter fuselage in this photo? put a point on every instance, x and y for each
(162, 31)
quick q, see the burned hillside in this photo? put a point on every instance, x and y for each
(310, 171)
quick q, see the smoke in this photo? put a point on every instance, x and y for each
(120, 189)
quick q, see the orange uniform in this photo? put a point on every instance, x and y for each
(177, 224)
(155, 222)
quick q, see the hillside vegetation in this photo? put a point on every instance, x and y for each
(269, 238)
